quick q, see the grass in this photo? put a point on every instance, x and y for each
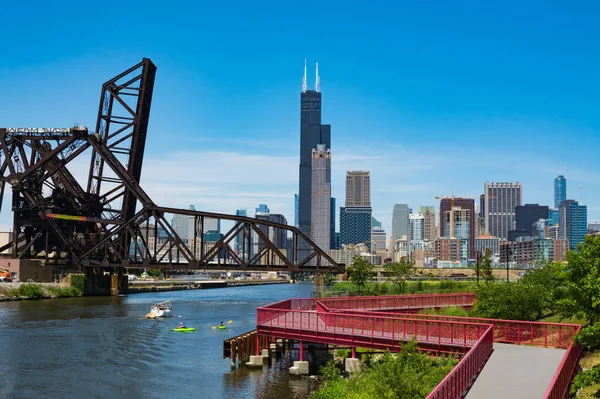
(456, 311)
(409, 287)
(587, 361)
(556, 318)
(39, 291)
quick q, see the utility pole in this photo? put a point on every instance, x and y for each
(477, 265)
(508, 255)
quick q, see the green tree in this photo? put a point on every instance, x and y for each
(153, 272)
(399, 272)
(329, 279)
(486, 266)
(360, 272)
(513, 301)
(582, 296)
(550, 278)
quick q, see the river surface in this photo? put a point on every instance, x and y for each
(103, 347)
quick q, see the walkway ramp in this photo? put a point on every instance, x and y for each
(516, 372)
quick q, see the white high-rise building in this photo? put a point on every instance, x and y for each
(416, 227)
(500, 201)
(180, 224)
(378, 241)
(320, 225)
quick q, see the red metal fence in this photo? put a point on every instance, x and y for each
(399, 302)
(559, 387)
(366, 330)
(515, 331)
(373, 322)
(463, 375)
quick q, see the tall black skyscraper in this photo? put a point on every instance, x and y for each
(311, 134)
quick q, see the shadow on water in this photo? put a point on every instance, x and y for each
(271, 382)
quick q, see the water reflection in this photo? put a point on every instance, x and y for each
(103, 347)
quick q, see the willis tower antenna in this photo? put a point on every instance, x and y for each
(313, 135)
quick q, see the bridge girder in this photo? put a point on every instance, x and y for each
(114, 223)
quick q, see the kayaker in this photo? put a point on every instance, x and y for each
(222, 324)
(181, 325)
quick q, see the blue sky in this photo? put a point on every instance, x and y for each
(431, 97)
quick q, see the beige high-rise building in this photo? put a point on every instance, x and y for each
(320, 203)
(430, 232)
(358, 189)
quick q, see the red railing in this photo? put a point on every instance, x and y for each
(361, 329)
(419, 301)
(375, 322)
(462, 376)
(559, 386)
(308, 304)
(294, 304)
(513, 331)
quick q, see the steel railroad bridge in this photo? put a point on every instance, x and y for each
(107, 222)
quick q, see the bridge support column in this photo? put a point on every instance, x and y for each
(319, 285)
(118, 284)
(300, 367)
(354, 353)
(256, 361)
(352, 365)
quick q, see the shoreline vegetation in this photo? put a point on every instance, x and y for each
(27, 291)
(551, 291)
(348, 288)
(74, 286)
(408, 374)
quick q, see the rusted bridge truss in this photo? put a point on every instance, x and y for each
(110, 221)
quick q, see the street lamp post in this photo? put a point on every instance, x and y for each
(508, 255)
(478, 255)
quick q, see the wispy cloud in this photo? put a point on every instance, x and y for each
(223, 180)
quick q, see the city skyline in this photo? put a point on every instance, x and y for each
(390, 113)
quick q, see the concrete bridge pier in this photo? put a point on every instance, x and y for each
(260, 357)
(99, 283)
(311, 357)
(352, 365)
(319, 285)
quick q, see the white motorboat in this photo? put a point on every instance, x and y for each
(162, 309)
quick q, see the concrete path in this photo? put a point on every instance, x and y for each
(516, 372)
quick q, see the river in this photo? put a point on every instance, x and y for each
(103, 347)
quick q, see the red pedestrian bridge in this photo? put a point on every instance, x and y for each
(496, 355)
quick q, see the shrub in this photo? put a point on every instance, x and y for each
(32, 291)
(454, 311)
(61, 292)
(408, 374)
(78, 281)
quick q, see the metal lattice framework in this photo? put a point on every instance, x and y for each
(112, 222)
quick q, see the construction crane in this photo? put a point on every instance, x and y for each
(451, 214)
(487, 206)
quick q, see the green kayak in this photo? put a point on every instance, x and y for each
(222, 327)
(185, 329)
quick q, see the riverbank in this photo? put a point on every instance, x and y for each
(140, 286)
(24, 291)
